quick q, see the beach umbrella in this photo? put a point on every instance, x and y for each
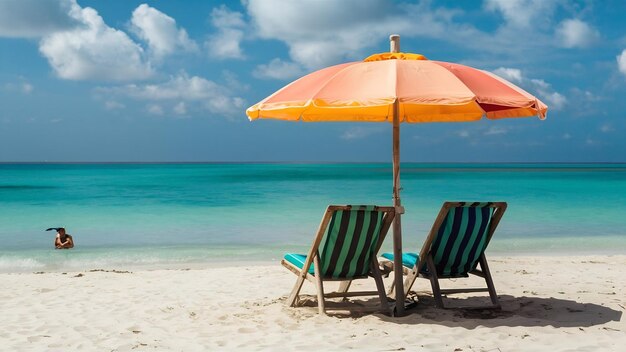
(398, 87)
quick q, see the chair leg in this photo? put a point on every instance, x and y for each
(380, 286)
(344, 286)
(408, 283)
(321, 306)
(410, 280)
(293, 296)
(392, 290)
(490, 286)
(434, 281)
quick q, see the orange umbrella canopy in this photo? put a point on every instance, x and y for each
(426, 91)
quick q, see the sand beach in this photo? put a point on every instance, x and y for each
(558, 303)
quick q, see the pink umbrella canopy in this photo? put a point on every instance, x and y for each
(426, 91)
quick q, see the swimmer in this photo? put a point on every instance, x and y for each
(63, 240)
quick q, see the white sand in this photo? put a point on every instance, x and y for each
(549, 304)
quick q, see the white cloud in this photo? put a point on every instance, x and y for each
(278, 69)
(94, 50)
(113, 105)
(621, 62)
(298, 25)
(223, 17)
(232, 82)
(573, 33)
(522, 13)
(495, 130)
(511, 74)
(323, 33)
(79, 45)
(555, 100)
(27, 88)
(463, 133)
(585, 95)
(226, 44)
(606, 128)
(360, 132)
(160, 31)
(35, 18)
(180, 108)
(178, 87)
(209, 95)
(532, 18)
(22, 86)
(154, 109)
(320, 33)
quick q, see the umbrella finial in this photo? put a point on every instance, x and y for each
(394, 43)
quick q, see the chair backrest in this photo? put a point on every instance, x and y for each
(460, 236)
(353, 238)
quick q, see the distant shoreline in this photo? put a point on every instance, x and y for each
(202, 256)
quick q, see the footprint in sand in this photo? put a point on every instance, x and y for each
(134, 329)
(44, 290)
(246, 330)
(223, 317)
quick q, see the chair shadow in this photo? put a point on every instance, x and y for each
(339, 308)
(515, 311)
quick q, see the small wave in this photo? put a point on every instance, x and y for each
(20, 265)
(121, 259)
(11, 264)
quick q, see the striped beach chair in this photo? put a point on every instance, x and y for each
(344, 249)
(454, 248)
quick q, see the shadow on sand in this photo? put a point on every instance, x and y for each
(516, 311)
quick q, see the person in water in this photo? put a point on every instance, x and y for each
(63, 240)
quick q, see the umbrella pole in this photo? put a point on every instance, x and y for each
(394, 43)
(397, 225)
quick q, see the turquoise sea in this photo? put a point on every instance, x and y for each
(180, 215)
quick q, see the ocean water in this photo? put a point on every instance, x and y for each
(181, 215)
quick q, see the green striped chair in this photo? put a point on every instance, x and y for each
(454, 248)
(344, 249)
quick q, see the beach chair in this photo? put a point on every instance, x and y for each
(454, 248)
(344, 249)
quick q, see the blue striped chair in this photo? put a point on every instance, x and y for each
(454, 248)
(344, 249)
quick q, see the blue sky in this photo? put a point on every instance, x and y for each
(170, 80)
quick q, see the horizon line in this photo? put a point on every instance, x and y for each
(294, 162)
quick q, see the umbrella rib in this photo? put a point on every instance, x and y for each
(395, 92)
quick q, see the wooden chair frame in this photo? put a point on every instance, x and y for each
(314, 257)
(426, 258)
